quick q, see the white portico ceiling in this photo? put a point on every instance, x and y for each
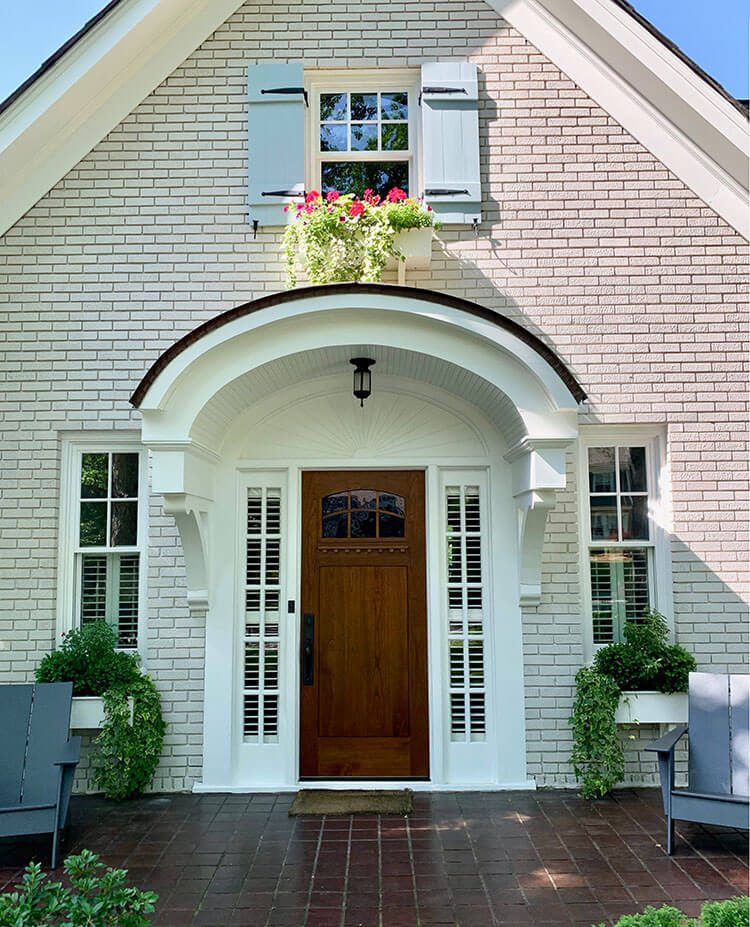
(237, 397)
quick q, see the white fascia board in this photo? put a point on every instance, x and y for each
(91, 89)
(634, 102)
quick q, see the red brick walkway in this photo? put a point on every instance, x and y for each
(473, 859)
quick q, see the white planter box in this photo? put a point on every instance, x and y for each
(87, 713)
(652, 708)
(416, 246)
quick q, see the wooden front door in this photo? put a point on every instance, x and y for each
(364, 625)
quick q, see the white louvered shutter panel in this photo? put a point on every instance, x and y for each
(450, 134)
(276, 140)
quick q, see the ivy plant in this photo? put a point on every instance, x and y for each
(341, 238)
(95, 898)
(644, 660)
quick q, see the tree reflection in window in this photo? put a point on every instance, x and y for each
(363, 513)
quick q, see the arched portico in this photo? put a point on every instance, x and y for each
(262, 394)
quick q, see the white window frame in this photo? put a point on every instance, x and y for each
(654, 439)
(74, 446)
(362, 80)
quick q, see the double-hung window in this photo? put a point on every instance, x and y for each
(624, 541)
(363, 133)
(103, 535)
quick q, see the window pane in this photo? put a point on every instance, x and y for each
(604, 518)
(394, 105)
(633, 469)
(364, 106)
(127, 604)
(124, 524)
(333, 138)
(634, 518)
(357, 176)
(391, 526)
(335, 503)
(94, 476)
(395, 137)
(125, 476)
(364, 137)
(364, 499)
(93, 524)
(93, 588)
(392, 503)
(336, 526)
(602, 469)
(619, 590)
(332, 106)
(363, 525)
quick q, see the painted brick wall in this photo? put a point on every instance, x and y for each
(588, 241)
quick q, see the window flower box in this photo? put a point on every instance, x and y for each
(87, 713)
(416, 247)
(652, 708)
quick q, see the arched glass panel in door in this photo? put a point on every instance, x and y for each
(363, 513)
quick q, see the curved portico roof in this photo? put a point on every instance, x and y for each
(343, 289)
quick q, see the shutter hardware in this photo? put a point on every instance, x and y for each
(301, 193)
(290, 90)
(441, 192)
(437, 90)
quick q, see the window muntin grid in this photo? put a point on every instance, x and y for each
(466, 596)
(262, 624)
(620, 538)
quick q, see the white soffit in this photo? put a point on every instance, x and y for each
(687, 124)
(86, 93)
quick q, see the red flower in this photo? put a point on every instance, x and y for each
(395, 195)
(312, 196)
(342, 218)
(332, 196)
(356, 209)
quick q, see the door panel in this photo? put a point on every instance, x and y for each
(363, 578)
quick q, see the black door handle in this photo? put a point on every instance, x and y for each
(308, 649)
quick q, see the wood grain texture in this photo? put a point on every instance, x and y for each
(366, 713)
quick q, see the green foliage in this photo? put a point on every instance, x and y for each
(87, 657)
(735, 912)
(129, 754)
(645, 660)
(95, 899)
(341, 238)
(597, 755)
(732, 913)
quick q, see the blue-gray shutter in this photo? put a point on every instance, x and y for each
(450, 134)
(276, 146)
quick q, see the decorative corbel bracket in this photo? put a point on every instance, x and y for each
(191, 517)
(184, 476)
(538, 475)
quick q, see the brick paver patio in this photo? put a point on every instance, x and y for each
(474, 859)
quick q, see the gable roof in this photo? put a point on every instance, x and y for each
(662, 97)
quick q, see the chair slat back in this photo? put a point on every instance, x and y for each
(48, 733)
(708, 729)
(15, 709)
(739, 701)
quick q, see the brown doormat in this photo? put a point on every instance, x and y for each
(354, 801)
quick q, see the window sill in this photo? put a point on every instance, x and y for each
(652, 708)
(87, 713)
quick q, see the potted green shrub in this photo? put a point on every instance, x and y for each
(342, 238)
(132, 731)
(644, 664)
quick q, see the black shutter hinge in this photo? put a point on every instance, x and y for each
(301, 193)
(441, 192)
(440, 90)
(288, 90)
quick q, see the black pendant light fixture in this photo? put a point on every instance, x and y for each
(362, 377)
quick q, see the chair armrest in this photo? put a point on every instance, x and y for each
(667, 743)
(71, 753)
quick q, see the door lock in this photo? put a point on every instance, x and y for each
(308, 649)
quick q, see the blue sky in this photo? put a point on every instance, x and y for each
(713, 34)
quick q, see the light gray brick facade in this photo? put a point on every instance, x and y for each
(588, 241)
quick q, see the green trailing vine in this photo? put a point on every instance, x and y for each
(643, 661)
(129, 753)
(597, 758)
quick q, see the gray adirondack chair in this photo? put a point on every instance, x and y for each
(718, 757)
(37, 759)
